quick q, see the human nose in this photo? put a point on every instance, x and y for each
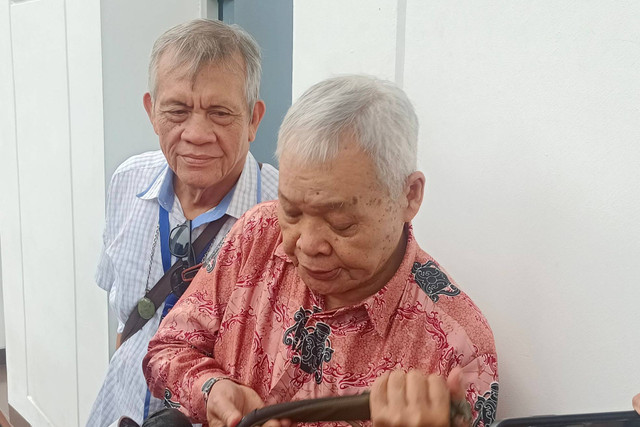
(198, 130)
(312, 239)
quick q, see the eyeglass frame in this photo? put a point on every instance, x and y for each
(190, 254)
(183, 275)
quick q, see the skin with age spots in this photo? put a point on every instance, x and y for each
(205, 127)
(342, 249)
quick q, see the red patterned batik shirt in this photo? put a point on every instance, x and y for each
(252, 319)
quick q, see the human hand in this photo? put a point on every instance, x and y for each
(414, 399)
(636, 403)
(457, 395)
(228, 402)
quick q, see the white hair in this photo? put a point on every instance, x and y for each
(376, 112)
(200, 42)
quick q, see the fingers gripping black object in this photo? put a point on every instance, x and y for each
(341, 408)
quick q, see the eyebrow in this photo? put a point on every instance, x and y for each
(173, 102)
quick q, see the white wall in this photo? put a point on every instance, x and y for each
(52, 176)
(334, 36)
(530, 140)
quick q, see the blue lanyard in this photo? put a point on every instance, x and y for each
(205, 218)
(163, 223)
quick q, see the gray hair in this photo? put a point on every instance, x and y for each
(376, 112)
(201, 42)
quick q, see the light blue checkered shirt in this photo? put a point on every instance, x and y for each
(137, 187)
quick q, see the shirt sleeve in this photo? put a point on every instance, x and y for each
(481, 375)
(105, 273)
(180, 359)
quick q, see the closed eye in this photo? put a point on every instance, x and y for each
(221, 117)
(176, 115)
(292, 214)
(343, 227)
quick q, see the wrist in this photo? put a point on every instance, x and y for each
(208, 385)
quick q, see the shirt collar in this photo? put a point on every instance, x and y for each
(161, 188)
(381, 306)
(241, 201)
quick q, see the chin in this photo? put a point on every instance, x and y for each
(316, 286)
(325, 289)
(195, 180)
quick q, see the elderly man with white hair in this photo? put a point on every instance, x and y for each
(166, 209)
(326, 292)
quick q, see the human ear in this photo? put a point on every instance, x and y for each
(413, 193)
(256, 116)
(147, 102)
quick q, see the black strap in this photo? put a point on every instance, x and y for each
(162, 289)
(341, 408)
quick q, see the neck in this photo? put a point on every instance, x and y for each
(196, 201)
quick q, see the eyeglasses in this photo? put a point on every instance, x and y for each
(180, 246)
(180, 241)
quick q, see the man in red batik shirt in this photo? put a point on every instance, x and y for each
(326, 292)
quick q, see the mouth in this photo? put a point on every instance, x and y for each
(196, 160)
(324, 275)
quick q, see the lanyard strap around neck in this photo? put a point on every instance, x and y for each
(163, 223)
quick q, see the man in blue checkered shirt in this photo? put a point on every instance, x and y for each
(204, 81)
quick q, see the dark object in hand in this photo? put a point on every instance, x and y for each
(168, 417)
(341, 408)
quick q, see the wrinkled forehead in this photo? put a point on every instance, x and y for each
(295, 164)
(346, 177)
(174, 65)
